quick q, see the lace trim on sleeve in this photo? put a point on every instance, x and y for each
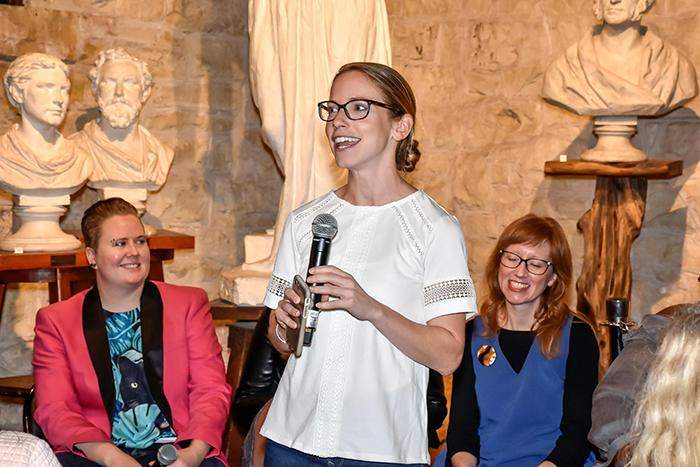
(447, 290)
(277, 286)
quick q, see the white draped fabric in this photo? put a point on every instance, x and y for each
(296, 47)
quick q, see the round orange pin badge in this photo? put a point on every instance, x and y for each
(486, 355)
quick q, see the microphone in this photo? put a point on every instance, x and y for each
(324, 228)
(167, 454)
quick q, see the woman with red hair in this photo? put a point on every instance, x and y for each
(522, 394)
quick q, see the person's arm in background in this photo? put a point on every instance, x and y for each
(463, 428)
(437, 406)
(581, 378)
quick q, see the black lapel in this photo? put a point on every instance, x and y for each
(96, 338)
(152, 341)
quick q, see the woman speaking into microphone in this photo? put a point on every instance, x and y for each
(398, 288)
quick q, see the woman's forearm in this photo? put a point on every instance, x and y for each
(103, 452)
(438, 345)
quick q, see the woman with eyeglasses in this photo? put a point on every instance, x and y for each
(129, 365)
(398, 288)
(522, 394)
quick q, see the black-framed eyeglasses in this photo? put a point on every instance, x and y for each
(355, 109)
(534, 266)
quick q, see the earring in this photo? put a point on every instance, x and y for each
(93, 266)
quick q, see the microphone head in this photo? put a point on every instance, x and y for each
(324, 226)
(167, 454)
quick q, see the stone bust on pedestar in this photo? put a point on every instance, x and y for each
(123, 152)
(38, 165)
(34, 157)
(620, 68)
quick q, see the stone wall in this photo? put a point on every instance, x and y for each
(223, 183)
(476, 67)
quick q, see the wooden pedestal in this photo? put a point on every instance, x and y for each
(609, 228)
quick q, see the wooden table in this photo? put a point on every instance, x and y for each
(68, 272)
(609, 228)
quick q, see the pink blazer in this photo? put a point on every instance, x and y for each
(75, 391)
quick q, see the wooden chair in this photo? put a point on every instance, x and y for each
(241, 321)
(21, 387)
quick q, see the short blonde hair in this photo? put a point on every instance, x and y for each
(642, 7)
(665, 428)
(20, 69)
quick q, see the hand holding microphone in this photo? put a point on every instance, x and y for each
(332, 281)
(194, 454)
(324, 228)
(349, 295)
(286, 316)
(324, 280)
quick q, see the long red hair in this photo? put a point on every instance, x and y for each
(553, 313)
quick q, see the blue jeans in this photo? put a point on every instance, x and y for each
(277, 455)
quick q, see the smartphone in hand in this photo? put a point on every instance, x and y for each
(295, 337)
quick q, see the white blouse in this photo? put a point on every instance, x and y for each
(353, 394)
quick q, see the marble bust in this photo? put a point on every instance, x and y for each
(38, 166)
(123, 152)
(620, 67)
(33, 154)
(128, 160)
(618, 72)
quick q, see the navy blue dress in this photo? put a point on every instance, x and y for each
(517, 408)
